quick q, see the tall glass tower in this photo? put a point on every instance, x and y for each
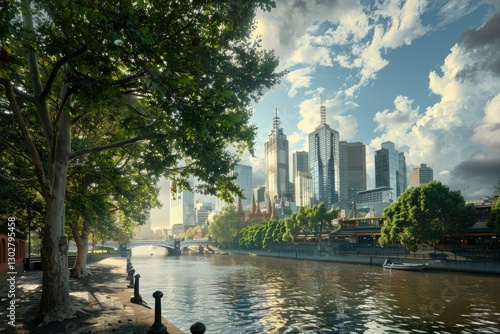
(244, 181)
(324, 163)
(276, 162)
(390, 169)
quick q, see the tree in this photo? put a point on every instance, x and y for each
(225, 225)
(494, 218)
(98, 189)
(424, 214)
(190, 233)
(186, 72)
(316, 220)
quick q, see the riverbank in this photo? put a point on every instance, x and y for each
(103, 299)
(438, 265)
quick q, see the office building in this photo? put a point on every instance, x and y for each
(420, 175)
(390, 169)
(202, 210)
(276, 162)
(356, 170)
(303, 189)
(182, 207)
(244, 180)
(324, 163)
(300, 162)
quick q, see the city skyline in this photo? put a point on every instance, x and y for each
(418, 73)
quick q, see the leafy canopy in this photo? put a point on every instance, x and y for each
(423, 214)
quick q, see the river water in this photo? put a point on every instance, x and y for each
(250, 294)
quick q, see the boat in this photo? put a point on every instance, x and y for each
(388, 264)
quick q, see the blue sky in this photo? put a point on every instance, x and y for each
(424, 74)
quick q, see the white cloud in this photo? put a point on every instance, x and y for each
(488, 130)
(312, 55)
(405, 24)
(396, 123)
(463, 126)
(300, 78)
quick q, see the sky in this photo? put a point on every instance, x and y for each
(424, 74)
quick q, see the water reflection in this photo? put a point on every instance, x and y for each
(243, 294)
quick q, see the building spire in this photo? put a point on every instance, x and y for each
(276, 121)
(323, 110)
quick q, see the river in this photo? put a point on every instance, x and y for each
(251, 294)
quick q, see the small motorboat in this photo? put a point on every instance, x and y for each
(388, 264)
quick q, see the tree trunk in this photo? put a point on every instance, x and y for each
(55, 303)
(82, 248)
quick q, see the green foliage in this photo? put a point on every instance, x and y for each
(494, 218)
(190, 233)
(315, 220)
(170, 85)
(225, 225)
(423, 214)
(263, 235)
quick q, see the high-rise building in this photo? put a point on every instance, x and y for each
(324, 163)
(302, 181)
(420, 175)
(343, 176)
(356, 170)
(276, 162)
(244, 181)
(182, 207)
(202, 212)
(303, 189)
(390, 169)
(300, 162)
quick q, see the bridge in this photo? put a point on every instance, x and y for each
(173, 247)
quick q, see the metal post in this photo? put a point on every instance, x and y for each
(158, 327)
(131, 272)
(136, 298)
(131, 277)
(197, 328)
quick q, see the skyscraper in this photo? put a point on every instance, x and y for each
(324, 163)
(352, 171)
(420, 175)
(302, 179)
(182, 207)
(244, 181)
(300, 162)
(276, 162)
(390, 169)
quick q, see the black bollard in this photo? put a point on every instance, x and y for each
(131, 272)
(129, 265)
(131, 284)
(158, 327)
(197, 328)
(136, 298)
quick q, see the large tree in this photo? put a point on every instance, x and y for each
(186, 70)
(225, 225)
(315, 221)
(424, 214)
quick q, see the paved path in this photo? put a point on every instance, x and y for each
(103, 297)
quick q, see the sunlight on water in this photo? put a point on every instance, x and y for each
(247, 294)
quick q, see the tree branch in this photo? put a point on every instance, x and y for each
(9, 180)
(15, 150)
(57, 67)
(37, 163)
(88, 150)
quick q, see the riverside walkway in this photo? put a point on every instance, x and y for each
(103, 299)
